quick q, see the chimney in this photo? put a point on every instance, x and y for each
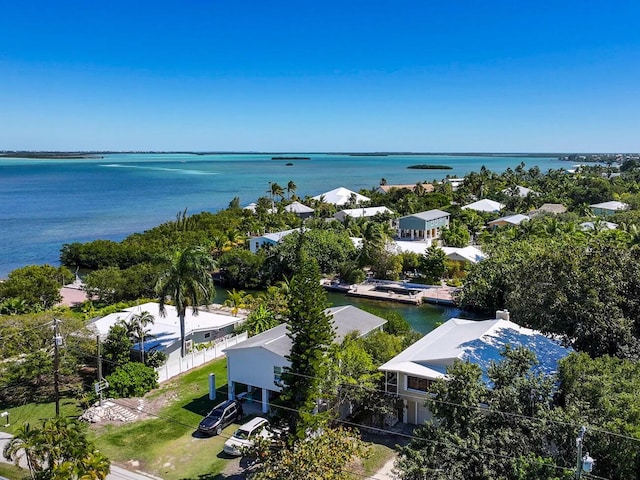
(502, 315)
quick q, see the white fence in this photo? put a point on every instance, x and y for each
(176, 365)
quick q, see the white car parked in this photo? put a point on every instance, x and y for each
(245, 436)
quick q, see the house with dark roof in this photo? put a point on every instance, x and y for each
(410, 373)
(258, 362)
(425, 226)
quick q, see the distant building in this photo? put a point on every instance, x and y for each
(299, 209)
(454, 182)
(428, 187)
(552, 208)
(468, 254)
(485, 205)
(608, 208)
(519, 191)
(425, 226)
(341, 196)
(361, 212)
(268, 239)
(597, 225)
(516, 219)
(410, 373)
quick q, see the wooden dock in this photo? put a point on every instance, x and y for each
(396, 292)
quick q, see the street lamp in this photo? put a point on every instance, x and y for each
(583, 463)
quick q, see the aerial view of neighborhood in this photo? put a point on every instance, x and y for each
(383, 241)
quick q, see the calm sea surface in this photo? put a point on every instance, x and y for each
(46, 203)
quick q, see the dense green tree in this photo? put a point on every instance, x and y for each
(132, 379)
(259, 320)
(311, 332)
(137, 329)
(116, 349)
(36, 287)
(456, 235)
(241, 268)
(105, 285)
(59, 450)
(433, 265)
(186, 282)
(236, 300)
(325, 456)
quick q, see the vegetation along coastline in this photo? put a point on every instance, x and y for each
(494, 237)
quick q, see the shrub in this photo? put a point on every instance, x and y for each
(132, 380)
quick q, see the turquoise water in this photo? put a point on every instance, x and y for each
(46, 203)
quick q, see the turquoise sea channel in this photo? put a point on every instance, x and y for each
(46, 203)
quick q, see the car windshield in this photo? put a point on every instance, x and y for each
(241, 434)
(216, 413)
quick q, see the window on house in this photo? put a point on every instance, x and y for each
(392, 382)
(277, 375)
(207, 335)
(417, 383)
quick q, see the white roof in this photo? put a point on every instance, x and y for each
(520, 191)
(277, 236)
(166, 330)
(346, 319)
(340, 196)
(516, 219)
(364, 212)
(485, 205)
(600, 225)
(477, 341)
(252, 206)
(613, 205)
(297, 207)
(469, 253)
(428, 215)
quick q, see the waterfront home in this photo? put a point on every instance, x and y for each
(425, 226)
(363, 212)
(454, 182)
(341, 196)
(509, 220)
(268, 239)
(209, 325)
(299, 209)
(469, 254)
(485, 205)
(410, 373)
(427, 187)
(606, 209)
(258, 362)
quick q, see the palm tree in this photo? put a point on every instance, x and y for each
(25, 443)
(275, 190)
(236, 300)
(137, 328)
(291, 188)
(187, 282)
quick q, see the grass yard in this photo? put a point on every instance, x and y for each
(12, 472)
(34, 413)
(167, 446)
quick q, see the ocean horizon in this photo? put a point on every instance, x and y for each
(49, 202)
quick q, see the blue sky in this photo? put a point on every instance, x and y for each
(500, 76)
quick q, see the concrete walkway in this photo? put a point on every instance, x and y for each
(386, 472)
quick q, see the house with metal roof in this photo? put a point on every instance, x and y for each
(363, 212)
(299, 209)
(427, 187)
(269, 239)
(485, 205)
(509, 220)
(469, 254)
(608, 208)
(341, 196)
(410, 373)
(551, 208)
(519, 191)
(425, 226)
(258, 362)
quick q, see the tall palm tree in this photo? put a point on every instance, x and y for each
(291, 188)
(187, 282)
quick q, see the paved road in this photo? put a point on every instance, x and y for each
(117, 473)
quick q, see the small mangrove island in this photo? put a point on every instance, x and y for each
(430, 167)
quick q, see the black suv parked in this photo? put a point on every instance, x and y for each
(220, 417)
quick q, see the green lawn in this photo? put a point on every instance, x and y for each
(34, 413)
(12, 472)
(166, 446)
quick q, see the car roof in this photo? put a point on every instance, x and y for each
(253, 423)
(226, 404)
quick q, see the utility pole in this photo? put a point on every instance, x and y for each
(99, 365)
(583, 463)
(57, 342)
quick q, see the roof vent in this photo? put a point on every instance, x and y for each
(502, 315)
